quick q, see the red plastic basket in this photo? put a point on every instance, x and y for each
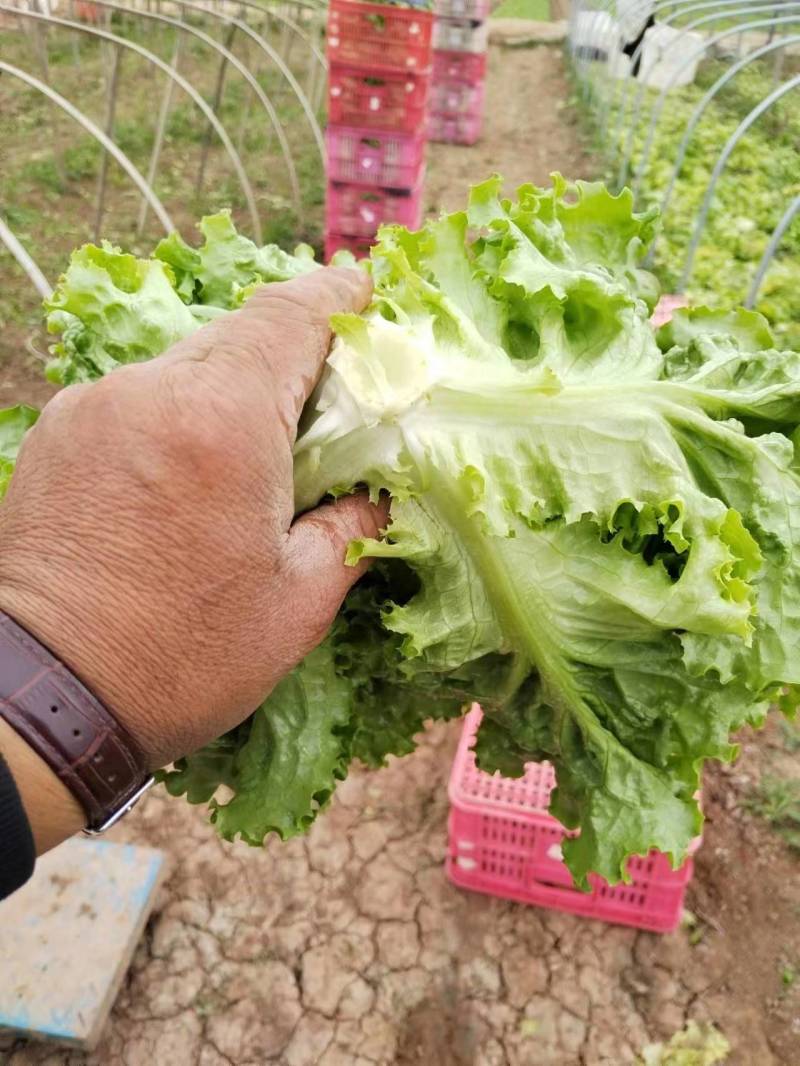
(379, 36)
(460, 35)
(336, 242)
(454, 129)
(394, 160)
(386, 100)
(462, 9)
(467, 66)
(452, 96)
(358, 210)
(503, 842)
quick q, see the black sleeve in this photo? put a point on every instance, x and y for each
(17, 852)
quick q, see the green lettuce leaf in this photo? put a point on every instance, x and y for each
(14, 424)
(281, 765)
(592, 526)
(112, 308)
(227, 263)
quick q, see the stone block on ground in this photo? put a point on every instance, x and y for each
(67, 938)
(526, 31)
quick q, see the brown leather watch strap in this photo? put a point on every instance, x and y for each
(98, 760)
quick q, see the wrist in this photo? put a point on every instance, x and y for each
(74, 630)
(52, 811)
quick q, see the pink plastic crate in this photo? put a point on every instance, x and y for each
(454, 129)
(466, 66)
(394, 160)
(336, 242)
(379, 36)
(460, 35)
(462, 9)
(359, 209)
(384, 100)
(453, 96)
(503, 842)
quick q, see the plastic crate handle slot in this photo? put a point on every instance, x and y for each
(566, 891)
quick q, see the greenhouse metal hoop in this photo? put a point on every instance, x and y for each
(607, 6)
(173, 74)
(725, 154)
(745, 11)
(715, 9)
(320, 67)
(659, 103)
(25, 260)
(769, 252)
(691, 125)
(269, 12)
(677, 8)
(277, 60)
(99, 135)
(236, 63)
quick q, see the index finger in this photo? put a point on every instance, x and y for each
(283, 331)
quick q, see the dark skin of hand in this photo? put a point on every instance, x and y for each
(148, 536)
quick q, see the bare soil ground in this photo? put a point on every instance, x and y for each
(530, 130)
(350, 948)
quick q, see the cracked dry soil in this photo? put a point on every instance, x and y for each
(350, 948)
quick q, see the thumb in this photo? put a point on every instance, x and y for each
(317, 547)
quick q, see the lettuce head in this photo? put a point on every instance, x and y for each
(592, 522)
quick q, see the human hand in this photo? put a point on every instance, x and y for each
(148, 534)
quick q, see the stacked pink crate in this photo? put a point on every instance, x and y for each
(503, 841)
(460, 41)
(378, 87)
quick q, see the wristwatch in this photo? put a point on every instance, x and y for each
(78, 738)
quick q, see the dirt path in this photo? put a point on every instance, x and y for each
(350, 948)
(530, 130)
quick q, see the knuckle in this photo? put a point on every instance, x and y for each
(64, 400)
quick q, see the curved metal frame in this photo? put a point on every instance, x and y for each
(97, 133)
(769, 252)
(696, 54)
(318, 70)
(693, 122)
(237, 64)
(658, 107)
(725, 154)
(715, 9)
(179, 79)
(301, 33)
(268, 50)
(677, 8)
(25, 260)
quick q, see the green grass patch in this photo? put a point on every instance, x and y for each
(536, 10)
(777, 800)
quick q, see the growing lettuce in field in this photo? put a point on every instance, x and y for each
(592, 527)
(760, 180)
